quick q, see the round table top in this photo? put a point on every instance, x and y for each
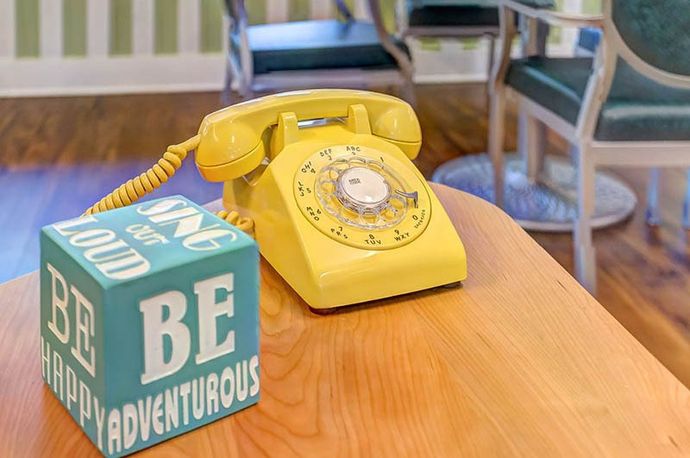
(519, 361)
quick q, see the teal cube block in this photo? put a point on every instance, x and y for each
(149, 321)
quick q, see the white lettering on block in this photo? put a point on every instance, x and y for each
(92, 237)
(71, 383)
(63, 226)
(160, 207)
(227, 387)
(187, 217)
(57, 374)
(144, 409)
(198, 390)
(209, 311)
(157, 414)
(172, 410)
(84, 403)
(206, 240)
(155, 367)
(185, 389)
(85, 323)
(45, 359)
(212, 394)
(113, 250)
(129, 265)
(254, 374)
(129, 425)
(114, 432)
(242, 380)
(100, 416)
(58, 305)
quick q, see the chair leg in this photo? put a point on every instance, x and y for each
(244, 86)
(585, 257)
(408, 92)
(652, 215)
(495, 146)
(491, 60)
(239, 74)
(686, 203)
(226, 95)
(247, 92)
(535, 133)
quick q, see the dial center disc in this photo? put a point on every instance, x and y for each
(363, 187)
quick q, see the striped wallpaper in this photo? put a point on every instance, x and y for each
(73, 47)
(166, 20)
(27, 43)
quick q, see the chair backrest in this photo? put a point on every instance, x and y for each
(653, 36)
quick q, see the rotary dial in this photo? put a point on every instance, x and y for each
(362, 197)
(361, 192)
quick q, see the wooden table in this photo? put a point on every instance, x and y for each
(520, 361)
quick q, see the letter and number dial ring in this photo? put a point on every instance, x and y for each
(362, 197)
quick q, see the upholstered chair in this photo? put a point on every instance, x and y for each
(629, 105)
(343, 52)
(454, 19)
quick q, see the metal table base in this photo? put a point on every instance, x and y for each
(547, 205)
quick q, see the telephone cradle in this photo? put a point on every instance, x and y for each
(324, 179)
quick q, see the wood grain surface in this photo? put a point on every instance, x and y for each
(519, 361)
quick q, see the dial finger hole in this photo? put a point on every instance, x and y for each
(397, 202)
(327, 186)
(389, 213)
(377, 166)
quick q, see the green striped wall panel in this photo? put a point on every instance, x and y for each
(120, 27)
(27, 37)
(212, 25)
(256, 11)
(591, 6)
(74, 29)
(299, 10)
(166, 23)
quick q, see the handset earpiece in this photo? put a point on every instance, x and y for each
(398, 124)
(228, 150)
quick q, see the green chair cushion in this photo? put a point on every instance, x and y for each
(317, 45)
(462, 14)
(483, 3)
(637, 109)
(459, 13)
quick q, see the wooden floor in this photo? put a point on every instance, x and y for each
(59, 155)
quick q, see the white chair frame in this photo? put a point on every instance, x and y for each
(588, 152)
(240, 64)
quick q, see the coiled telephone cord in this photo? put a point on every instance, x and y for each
(136, 188)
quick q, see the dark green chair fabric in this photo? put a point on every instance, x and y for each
(485, 3)
(463, 14)
(657, 31)
(314, 45)
(637, 108)
(459, 13)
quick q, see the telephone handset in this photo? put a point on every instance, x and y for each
(231, 139)
(324, 180)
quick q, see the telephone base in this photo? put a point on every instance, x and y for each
(386, 300)
(345, 217)
(457, 284)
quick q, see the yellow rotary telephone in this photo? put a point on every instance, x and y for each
(324, 179)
